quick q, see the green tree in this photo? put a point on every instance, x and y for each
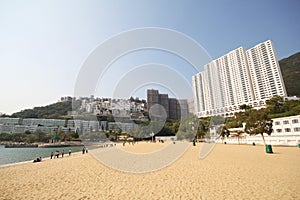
(42, 136)
(75, 135)
(94, 136)
(275, 105)
(224, 132)
(188, 128)
(258, 122)
(170, 128)
(31, 138)
(203, 127)
(18, 137)
(245, 107)
(5, 137)
(61, 134)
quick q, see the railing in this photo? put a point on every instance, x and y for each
(273, 140)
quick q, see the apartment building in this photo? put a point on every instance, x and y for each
(240, 77)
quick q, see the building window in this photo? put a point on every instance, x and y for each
(287, 130)
(285, 122)
(295, 121)
(278, 130)
(297, 129)
(277, 123)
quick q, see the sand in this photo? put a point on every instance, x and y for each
(228, 172)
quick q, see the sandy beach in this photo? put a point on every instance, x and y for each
(228, 172)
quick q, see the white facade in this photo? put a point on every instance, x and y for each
(240, 77)
(43, 122)
(286, 126)
(10, 121)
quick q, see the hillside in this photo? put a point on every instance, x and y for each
(52, 111)
(290, 68)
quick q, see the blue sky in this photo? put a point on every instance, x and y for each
(43, 44)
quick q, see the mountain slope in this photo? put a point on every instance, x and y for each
(290, 69)
(54, 111)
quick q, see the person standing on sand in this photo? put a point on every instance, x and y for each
(86, 150)
(83, 150)
(51, 155)
(57, 154)
(70, 152)
(62, 153)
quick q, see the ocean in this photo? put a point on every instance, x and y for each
(15, 155)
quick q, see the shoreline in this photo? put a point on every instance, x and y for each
(76, 153)
(40, 145)
(43, 159)
(27, 155)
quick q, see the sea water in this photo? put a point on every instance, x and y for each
(14, 155)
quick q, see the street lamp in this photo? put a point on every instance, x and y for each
(152, 134)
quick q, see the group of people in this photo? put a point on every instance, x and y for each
(38, 160)
(129, 142)
(57, 153)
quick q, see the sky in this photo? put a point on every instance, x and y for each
(44, 44)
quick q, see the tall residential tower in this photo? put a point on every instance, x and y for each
(240, 77)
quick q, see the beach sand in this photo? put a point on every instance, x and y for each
(228, 172)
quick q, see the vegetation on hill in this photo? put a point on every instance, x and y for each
(276, 107)
(290, 68)
(53, 111)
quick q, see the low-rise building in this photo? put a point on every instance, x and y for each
(286, 126)
(44, 122)
(286, 132)
(10, 121)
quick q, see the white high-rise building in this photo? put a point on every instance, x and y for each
(240, 77)
(264, 69)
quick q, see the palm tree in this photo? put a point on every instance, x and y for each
(224, 132)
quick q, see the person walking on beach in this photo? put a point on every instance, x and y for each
(57, 154)
(62, 153)
(86, 150)
(70, 152)
(83, 150)
(51, 155)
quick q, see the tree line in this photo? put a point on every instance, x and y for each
(38, 136)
